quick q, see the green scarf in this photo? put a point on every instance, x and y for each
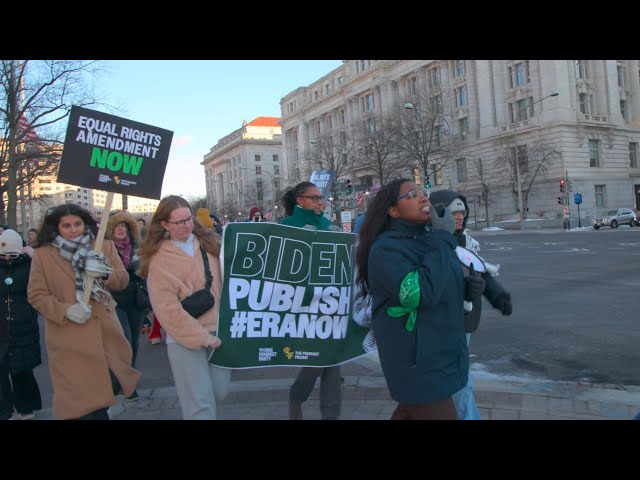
(409, 299)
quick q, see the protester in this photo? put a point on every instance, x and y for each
(89, 356)
(19, 333)
(417, 287)
(172, 261)
(142, 223)
(33, 235)
(255, 215)
(131, 308)
(217, 224)
(456, 205)
(304, 206)
(202, 215)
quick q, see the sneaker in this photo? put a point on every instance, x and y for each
(156, 340)
(133, 397)
(23, 416)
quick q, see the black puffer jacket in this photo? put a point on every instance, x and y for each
(493, 289)
(19, 332)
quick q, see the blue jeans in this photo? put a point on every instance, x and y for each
(464, 400)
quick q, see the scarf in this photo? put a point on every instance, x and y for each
(76, 251)
(409, 299)
(124, 250)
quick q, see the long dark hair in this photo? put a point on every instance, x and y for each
(49, 230)
(290, 194)
(376, 221)
(156, 233)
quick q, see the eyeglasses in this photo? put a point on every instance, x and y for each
(415, 193)
(464, 213)
(182, 223)
(313, 198)
(10, 255)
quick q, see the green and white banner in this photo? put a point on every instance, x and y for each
(287, 298)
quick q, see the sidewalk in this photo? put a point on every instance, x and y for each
(261, 394)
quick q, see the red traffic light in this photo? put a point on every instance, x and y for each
(562, 182)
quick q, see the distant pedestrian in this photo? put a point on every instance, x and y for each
(173, 257)
(33, 235)
(89, 356)
(19, 333)
(255, 215)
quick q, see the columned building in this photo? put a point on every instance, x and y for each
(245, 169)
(562, 119)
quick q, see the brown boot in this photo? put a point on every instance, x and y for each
(295, 411)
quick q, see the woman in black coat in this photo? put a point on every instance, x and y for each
(19, 333)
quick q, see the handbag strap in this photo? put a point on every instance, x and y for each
(207, 270)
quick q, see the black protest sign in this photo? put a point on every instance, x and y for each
(115, 154)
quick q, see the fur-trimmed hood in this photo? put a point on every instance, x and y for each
(124, 217)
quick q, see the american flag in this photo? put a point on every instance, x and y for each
(25, 126)
(268, 215)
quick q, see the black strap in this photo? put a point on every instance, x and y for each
(207, 270)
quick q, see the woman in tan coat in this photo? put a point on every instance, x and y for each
(171, 258)
(89, 356)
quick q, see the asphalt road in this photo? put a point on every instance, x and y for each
(576, 306)
(576, 311)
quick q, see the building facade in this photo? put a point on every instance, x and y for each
(577, 120)
(245, 170)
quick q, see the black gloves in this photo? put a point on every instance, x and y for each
(473, 285)
(503, 303)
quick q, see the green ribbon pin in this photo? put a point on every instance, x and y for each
(409, 299)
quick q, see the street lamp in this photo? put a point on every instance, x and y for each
(411, 106)
(515, 140)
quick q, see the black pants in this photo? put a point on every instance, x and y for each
(22, 392)
(131, 320)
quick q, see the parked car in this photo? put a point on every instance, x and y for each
(614, 218)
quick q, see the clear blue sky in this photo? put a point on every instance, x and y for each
(201, 101)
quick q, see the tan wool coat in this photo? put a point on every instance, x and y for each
(173, 276)
(80, 355)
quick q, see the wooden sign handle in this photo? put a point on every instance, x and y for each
(98, 245)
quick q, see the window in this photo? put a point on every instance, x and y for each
(437, 171)
(437, 135)
(461, 96)
(341, 117)
(584, 103)
(621, 75)
(461, 165)
(436, 104)
(276, 184)
(340, 80)
(276, 169)
(523, 160)
(623, 110)
(594, 153)
(259, 184)
(510, 73)
(257, 157)
(633, 155)
(520, 74)
(275, 158)
(329, 122)
(581, 69)
(434, 77)
(600, 196)
(458, 68)
(315, 95)
(463, 123)
(327, 89)
(258, 169)
(367, 103)
(416, 176)
(414, 85)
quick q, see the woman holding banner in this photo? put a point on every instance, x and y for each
(89, 356)
(416, 283)
(180, 260)
(304, 206)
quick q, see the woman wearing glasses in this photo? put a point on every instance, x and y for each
(19, 333)
(304, 207)
(416, 283)
(171, 258)
(89, 356)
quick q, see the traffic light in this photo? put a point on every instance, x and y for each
(562, 186)
(349, 187)
(427, 183)
(559, 200)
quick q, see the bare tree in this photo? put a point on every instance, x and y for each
(377, 152)
(532, 159)
(423, 133)
(41, 94)
(198, 202)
